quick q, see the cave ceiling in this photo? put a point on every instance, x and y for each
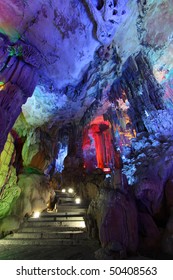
(82, 47)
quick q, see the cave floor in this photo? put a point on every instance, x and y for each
(40, 252)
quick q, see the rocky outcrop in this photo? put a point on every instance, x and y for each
(115, 223)
(143, 166)
(18, 79)
(9, 189)
(33, 196)
(142, 90)
(106, 16)
(119, 224)
(19, 195)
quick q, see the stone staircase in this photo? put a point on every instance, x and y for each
(63, 226)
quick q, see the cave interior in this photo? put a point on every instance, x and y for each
(86, 102)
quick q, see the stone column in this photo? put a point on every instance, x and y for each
(116, 174)
(73, 163)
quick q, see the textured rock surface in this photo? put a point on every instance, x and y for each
(17, 75)
(31, 194)
(34, 195)
(131, 33)
(145, 166)
(19, 195)
(9, 189)
(114, 221)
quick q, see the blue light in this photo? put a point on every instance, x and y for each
(60, 160)
(146, 113)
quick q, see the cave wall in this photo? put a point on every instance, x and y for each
(8, 179)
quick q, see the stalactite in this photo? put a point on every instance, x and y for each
(144, 93)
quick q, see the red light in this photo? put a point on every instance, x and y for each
(106, 169)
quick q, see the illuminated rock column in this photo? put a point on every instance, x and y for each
(103, 144)
(100, 150)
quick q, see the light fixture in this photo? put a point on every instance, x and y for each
(77, 200)
(106, 169)
(70, 190)
(1, 85)
(146, 113)
(82, 224)
(63, 190)
(36, 215)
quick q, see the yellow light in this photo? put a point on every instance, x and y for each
(63, 190)
(77, 200)
(2, 85)
(70, 190)
(36, 215)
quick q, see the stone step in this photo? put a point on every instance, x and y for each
(47, 235)
(67, 212)
(66, 198)
(65, 227)
(64, 194)
(74, 205)
(52, 229)
(64, 212)
(61, 213)
(56, 218)
(44, 242)
(50, 223)
(70, 208)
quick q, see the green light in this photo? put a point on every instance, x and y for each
(2, 85)
(15, 51)
(10, 32)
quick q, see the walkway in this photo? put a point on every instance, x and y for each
(56, 235)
